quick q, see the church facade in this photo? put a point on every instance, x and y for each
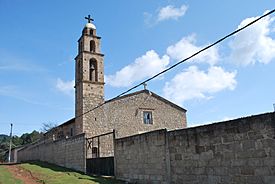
(131, 114)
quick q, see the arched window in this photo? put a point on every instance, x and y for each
(93, 70)
(92, 46)
(91, 32)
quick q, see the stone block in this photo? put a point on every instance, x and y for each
(254, 162)
(238, 179)
(248, 171)
(178, 157)
(202, 163)
(206, 155)
(213, 179)
(272, 170)
(213, 163)
(199, 171)
(228, 155)
(248, 144)
(220, 171)
(269, 179)
(252, 135)
(254, 180)
(199, 149)
(258, 153)
(234, 171)
(209, 170)
(262, 171)
(227, 138)
(226, 180)
(270, 143)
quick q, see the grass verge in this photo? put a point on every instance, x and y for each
(52, 174)
(6, 177)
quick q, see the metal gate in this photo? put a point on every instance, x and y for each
(100, 166)
(100, 154)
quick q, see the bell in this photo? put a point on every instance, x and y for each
(92, 67)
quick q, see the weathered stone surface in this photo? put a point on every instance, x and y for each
(68, 153)
(233, 152)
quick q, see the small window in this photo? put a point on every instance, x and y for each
(147, 117)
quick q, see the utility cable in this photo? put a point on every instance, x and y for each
(182, 61)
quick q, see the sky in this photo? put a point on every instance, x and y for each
(38, 44)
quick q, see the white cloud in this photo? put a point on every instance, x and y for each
(144, 66)
(196, 84)
(187, 46)
(254, 44)
(7, 90)
(171, 12)
(17, 93)
(66, 87)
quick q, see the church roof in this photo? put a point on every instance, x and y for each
(132, 94)
(68, 122)
(153, 94)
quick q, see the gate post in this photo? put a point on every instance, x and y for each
(167, 158)
(85, 153)
(98, 144)
(114, 147)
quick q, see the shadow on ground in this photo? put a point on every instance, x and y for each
(79, 175)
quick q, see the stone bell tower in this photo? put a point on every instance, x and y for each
(89, 75)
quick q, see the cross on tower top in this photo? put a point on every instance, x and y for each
(89, 18)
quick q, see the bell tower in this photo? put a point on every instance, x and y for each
(89, 75)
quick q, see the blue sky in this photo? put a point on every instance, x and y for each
(38, 43)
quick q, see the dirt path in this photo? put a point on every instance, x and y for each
(22, 174)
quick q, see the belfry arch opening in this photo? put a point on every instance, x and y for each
(93, 70)
(92, 46)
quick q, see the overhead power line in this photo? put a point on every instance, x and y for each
(182, 61)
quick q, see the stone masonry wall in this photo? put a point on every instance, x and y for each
(125, 115)
(141, 158)
(237, 151)
(68, 153)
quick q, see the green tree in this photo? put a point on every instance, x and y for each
(24, 139)
(47, 127)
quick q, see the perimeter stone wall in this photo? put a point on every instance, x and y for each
(68, 152)
(237, 151)
(141, 158)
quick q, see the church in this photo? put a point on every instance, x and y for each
(134, 113)
(130, 136)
